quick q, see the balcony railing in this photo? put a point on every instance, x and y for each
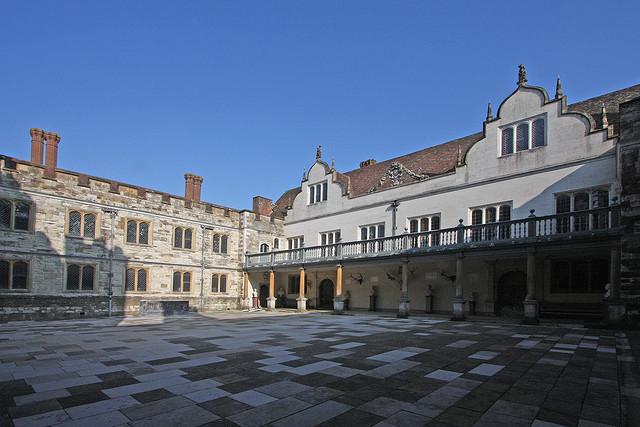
(559, 226)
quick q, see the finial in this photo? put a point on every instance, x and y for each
(333, 165)
(489, 113)
(319, 152)
(304, 174)
(522, 75)
(605, 120)
(559, 93)
(459, 156)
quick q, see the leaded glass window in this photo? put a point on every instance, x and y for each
(87, 277)
(131, 231)
(522, 137)
(89, 225)
(215, 283)
(177, 238)
(142, 280)
(5, 271)
(537, 133)
(20, 275)
(224, 240)
(5, 214)
(75, 221)
(73, 277)
(130, 280)
(216, 243)
(177, 281)
(21, 220)
(186, 282)
(507, 141)
(187, 238)
(143, 233)
(223, 283)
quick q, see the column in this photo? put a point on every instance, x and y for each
(530, 303)
(491, 287)
(271, 301)
(458, 301)
(404, 307)
(338, 301)
(246, 294)
(615, 307)
(301, 300)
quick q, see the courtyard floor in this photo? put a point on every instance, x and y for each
(314, 369)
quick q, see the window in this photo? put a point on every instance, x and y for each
(582, 200)
(370, 232)
(485, 217)
(136, 280)
(294, 284)
(423, 225)
(329, 237)
(219, 283)
(80, 277)
(579, 276)
(14, 275)
(220, 243)
(182, 238)
(81, 224)
(14, 215)
(181, 281)
(318, 192)
(276, 243)
(264, 248)
(295, 242)
(528, 134)
(137, 232)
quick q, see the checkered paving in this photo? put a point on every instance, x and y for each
(313, 369)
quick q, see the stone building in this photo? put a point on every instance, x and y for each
(534, 215)
(73, 245)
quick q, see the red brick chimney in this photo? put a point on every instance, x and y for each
(37, 146)
(262, 205)
(188, 186)
(51, 160)
(197, 187)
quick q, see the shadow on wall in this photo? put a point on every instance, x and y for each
(64, 278)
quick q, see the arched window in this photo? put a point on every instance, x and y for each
(505, 213)
(187, 238)
(75, 220)
(142, 280)
(181, 281)
(413, 226)
(216, 243)
(177, 281)
(476, 217)
(177, 237)
(224, 243)
(143, 233)
(563, 204)
(5, 274)
(276, 243)
(264, 248)
(186, 282)
(424, 224)
(507, 141)
(491, 215)
(5, 214)
(88, 273)
(537, 133)
(131, 231)
(130, 280)
(89, 228)
(136, 280)
(73, 277)
(522, 137)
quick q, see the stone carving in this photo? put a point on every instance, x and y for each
(522, 75)
(395, 174)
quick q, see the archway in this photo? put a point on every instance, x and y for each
(263, 295)
(512, 290)
(326, 294)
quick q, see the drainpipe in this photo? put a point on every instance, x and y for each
(112, 213)
(394, 213)
(203, 228)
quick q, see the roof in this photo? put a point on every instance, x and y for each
(442, 158)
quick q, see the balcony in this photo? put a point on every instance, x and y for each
(567, 227)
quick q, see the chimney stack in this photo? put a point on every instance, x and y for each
(262, 205)
(37, 146)
(197, 187)
(188, 186)
(51, 161)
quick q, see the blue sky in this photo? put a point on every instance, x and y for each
(243, 92)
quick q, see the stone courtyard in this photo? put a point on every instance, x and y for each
(295, 370)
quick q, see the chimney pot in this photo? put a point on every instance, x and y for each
(37, 146)
(197, 187)
(51, 160)
(188, 186)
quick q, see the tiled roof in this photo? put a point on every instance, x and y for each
(442, 158)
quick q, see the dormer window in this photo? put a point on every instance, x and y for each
(318, 192)
(522, 136)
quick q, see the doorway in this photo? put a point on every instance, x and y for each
(263, 295)
(512, 290)
(325, 294)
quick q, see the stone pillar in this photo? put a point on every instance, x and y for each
(489, 303)
(51, 161)
(404, 307)
(37, 146)
(458, 301)
(530, 303)
(301, 300)
(271, 301)
(338, 301)
(616, 309)
(246, 293)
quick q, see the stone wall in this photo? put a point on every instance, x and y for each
(629, 166)
(49, 249)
